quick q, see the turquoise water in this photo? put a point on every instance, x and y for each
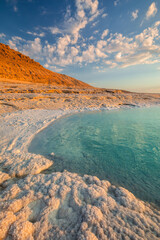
(122, 146)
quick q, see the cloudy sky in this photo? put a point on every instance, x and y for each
(106, 43)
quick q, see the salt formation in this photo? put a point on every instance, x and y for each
(68, 206)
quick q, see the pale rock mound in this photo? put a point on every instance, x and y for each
(68, 206)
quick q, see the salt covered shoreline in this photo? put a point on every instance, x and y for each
(63, 205)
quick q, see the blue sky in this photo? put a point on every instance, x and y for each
(106, 43)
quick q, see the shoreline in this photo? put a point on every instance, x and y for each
(61, 205)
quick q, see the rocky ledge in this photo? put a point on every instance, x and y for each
(68, 206)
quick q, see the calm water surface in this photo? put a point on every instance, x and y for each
(122, 146)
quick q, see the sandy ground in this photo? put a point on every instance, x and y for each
(64, 205)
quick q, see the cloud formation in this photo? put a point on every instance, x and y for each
(2, 35)
(105, 33)
(116, 2)
(107, 49)
(14, 4)
(134, 14)
(42, 34)
(152, 10)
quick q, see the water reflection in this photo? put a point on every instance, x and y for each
(121, 146)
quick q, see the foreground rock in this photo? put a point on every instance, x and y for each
(67, 206)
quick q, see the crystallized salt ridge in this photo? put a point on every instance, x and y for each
(67, 206)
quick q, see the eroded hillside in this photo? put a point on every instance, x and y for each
(16, 66)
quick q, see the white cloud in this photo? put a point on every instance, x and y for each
(62, 45)
(17, 38)
(65, 50)
(53, 68)
(147, 37)
(14, 4)
(134, 59)
(54, 30)
(105, 33)
(42, 34)
(104, 15)
(87, 11)
(15, 42)
(152, 10)
(15, 9)
(32, 49)
(95, 23)
(116, 2)
(100, 54)
(91, 38)
(12, 45)
(91, 5)
(142, 49)
(119, 43)
(95, 32)
(48, 51)
(111, 63)
(101, 44)
(89, 55)
(115, 51)
(70, 47)
(74, 51)
(134, 14)
(157, 24)
(2, 35)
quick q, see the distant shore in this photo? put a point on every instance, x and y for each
(62, 205)
(22, 96)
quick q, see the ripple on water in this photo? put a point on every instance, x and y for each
(120, 145)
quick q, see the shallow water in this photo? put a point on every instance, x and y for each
(122, 146)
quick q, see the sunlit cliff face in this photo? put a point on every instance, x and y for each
(16, 66)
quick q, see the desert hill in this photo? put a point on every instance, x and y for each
(16, 66)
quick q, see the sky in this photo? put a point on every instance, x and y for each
(106, 43)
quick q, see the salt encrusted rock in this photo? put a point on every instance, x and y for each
(67, 206)
(3, 177)
(21, 230)
(24, 165)
(17, 131)
(6, 219)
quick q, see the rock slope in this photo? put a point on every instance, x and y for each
(16, 66)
